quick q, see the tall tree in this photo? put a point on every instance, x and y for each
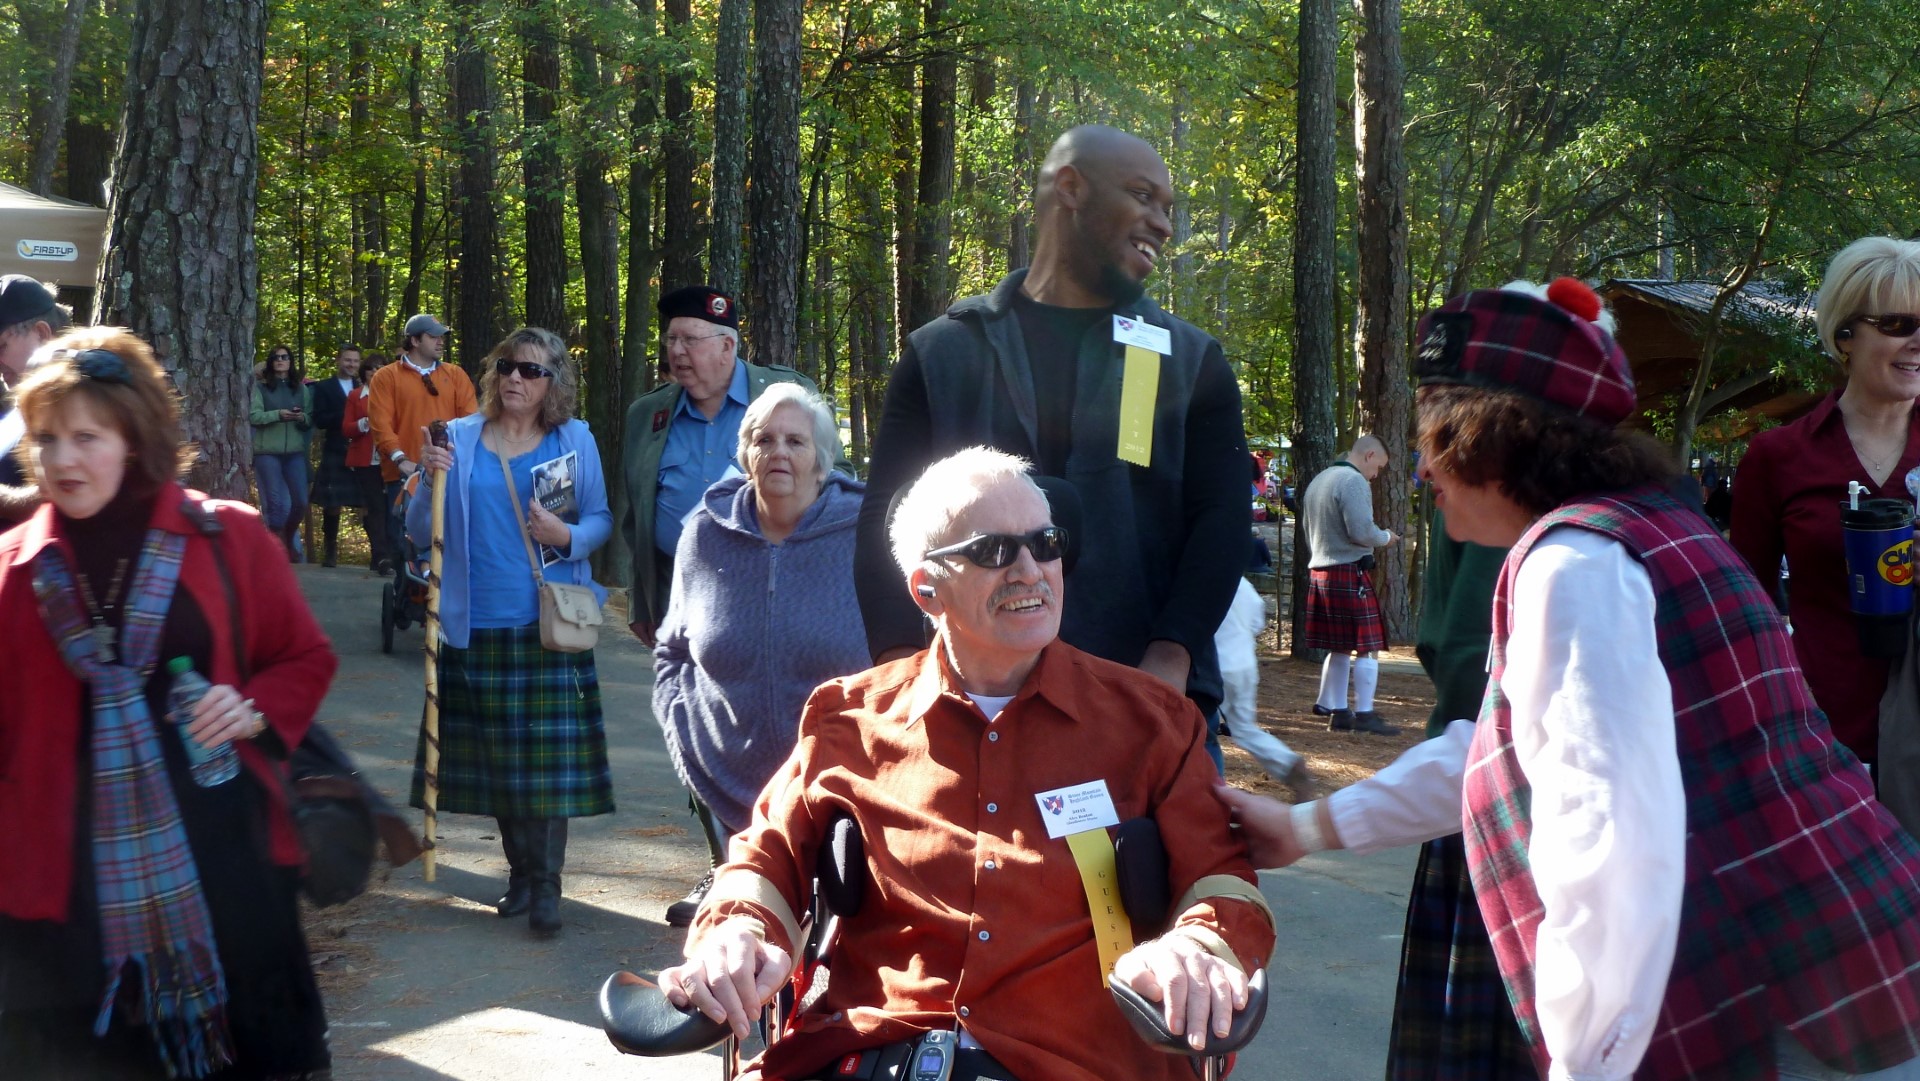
(681, 221)
(730, 138)
(933, 210)
(417, 209)
(606, 405)
(47, 153)
(181, 269)
(541, 174)
(1316, 212)
(480, 319)
(773, 192)
(1380, 312)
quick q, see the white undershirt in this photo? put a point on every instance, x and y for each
(1593, 731)
(990, 704)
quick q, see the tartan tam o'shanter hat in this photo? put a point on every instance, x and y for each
(1549, 347)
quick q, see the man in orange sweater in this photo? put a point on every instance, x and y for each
(404, 397)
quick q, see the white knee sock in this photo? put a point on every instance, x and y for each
(1333, 681)
(1366, 676)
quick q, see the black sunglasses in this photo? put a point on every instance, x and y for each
(528, 370)
(428, 380)
(995, 550)
(1894, 324)
(100, 365)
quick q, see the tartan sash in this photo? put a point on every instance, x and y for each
(153, 916)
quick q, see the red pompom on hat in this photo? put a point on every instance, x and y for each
(1549, 348)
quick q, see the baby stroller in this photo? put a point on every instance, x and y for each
(403, 598)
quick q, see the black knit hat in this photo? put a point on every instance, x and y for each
(700, 302)
(21, 299)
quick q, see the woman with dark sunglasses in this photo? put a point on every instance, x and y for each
(763, 611)
(281, 422)
(1789, 487)
(521, 737)
(148, 918)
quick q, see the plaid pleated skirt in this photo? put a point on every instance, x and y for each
(1452, 1020)
(335, 486)
(521, 734)
(1342, 612)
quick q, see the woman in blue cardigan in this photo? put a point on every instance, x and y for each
(763, 610)
(521, 736)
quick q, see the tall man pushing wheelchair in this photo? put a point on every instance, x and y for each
(983, 774)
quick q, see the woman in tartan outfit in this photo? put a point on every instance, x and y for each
(148, 925)
(1654, 809)
(521, 736)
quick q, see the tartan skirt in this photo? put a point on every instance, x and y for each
(520, 730)
(335, 486)
(1343, 614)
(1452, 1020)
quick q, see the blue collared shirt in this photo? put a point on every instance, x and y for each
(698, 452)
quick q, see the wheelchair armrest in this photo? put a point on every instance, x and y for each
(639, 1020)
(1149, 1021)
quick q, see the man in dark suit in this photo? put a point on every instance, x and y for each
(336, 486)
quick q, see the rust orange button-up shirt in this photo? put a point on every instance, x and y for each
(972, 912)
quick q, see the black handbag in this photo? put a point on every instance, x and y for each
(342, 820)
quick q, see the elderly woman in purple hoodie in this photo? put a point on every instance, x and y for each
(763, 609)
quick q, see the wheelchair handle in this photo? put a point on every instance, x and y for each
(1149, 1021)
(639, 1020)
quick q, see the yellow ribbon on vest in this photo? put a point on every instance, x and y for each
(1112, 930)
(1139, 387)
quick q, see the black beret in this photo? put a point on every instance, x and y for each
(700, 302)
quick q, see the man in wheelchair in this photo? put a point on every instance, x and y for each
(983, 775)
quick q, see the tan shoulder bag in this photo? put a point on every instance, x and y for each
(569, 614)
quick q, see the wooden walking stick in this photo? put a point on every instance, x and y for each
(437, 432)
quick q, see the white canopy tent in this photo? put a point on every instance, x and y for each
(57, 241)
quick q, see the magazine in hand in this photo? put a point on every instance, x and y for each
(553, 486)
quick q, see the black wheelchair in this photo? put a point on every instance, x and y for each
(639, 1019)
(403, 596)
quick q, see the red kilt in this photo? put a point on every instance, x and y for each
(1343, 614)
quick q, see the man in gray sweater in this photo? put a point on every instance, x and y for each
(1343, 614)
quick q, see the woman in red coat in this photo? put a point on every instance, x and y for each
(148, 923)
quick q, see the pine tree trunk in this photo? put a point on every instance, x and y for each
(682, 221)
(480, 320)
(730, 138)
(541, 171)
(639, 359)
(181, 268)
(773, 193)
(933, 211)
(606, 406)
(47, 153)
(1024, 150)
(1380, 316)
(1316, 215)
(417, 215)
(904, 151)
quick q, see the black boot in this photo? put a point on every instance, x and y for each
(519, 880)
(330, 546)
(547, 853)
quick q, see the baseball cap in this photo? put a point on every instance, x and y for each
(424, 324)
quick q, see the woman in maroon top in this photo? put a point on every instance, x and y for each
(1788, 490)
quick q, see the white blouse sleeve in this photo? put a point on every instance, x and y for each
(1593, 731)
(1414, 798)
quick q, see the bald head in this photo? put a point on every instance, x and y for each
(1369, 455)
(1102, 211)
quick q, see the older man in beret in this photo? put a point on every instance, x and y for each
(680, 438)
(29, 319)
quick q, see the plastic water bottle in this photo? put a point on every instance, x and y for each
(210, 767)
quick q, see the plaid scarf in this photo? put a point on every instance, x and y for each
(153, 917)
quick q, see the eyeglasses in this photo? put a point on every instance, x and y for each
(671, 340)
(428, 380)
(281, 356)
(995, 550)
(99, 365)
(527, 369)
(1894, 324)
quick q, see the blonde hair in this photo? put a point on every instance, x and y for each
(1868, 277)
(563, 397)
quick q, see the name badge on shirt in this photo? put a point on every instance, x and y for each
(1139, 385)
(1076, 809)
